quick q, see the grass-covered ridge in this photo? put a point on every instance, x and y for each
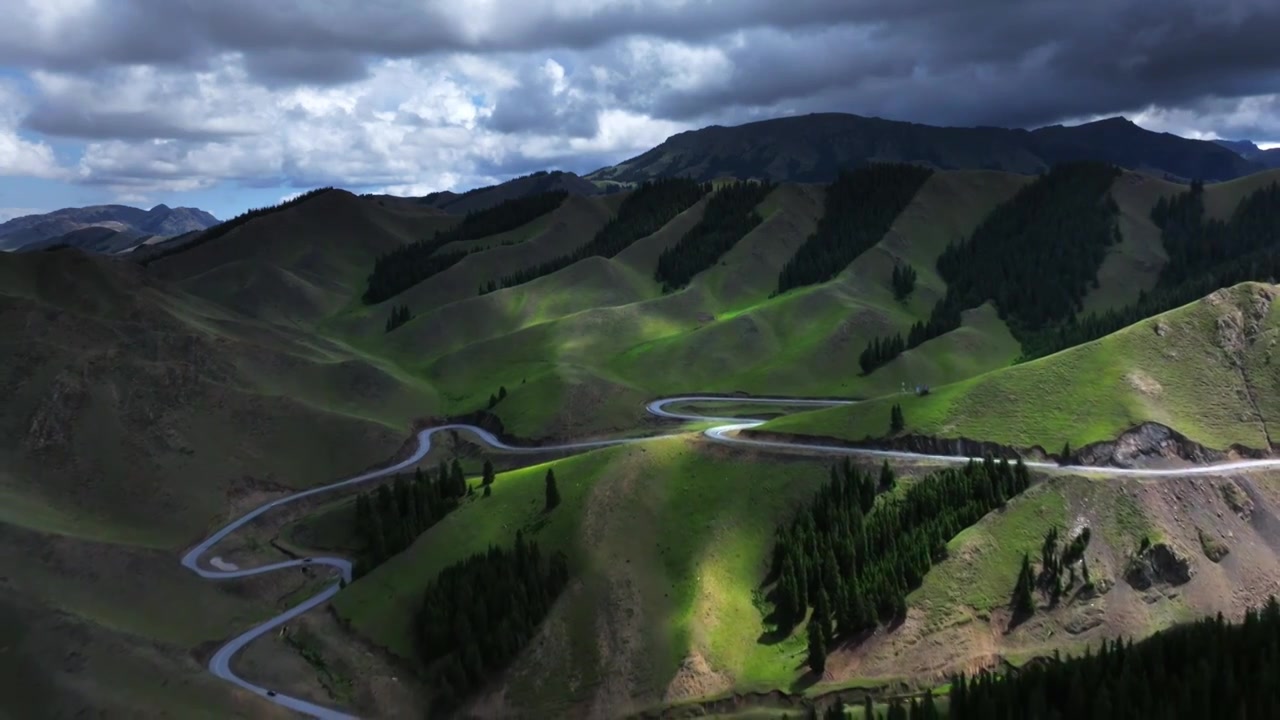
(408, 265)
(674, 530)
(1203, 369)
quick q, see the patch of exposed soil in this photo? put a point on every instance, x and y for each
(696, 679)
(1143, 383)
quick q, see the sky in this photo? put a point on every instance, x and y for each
(235, 104)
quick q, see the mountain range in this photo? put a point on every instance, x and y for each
(1116, 329)
(808, 148)
(101, 228)
(813, 148)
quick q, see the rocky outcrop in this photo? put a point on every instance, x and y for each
(1152, 441)
(1158, 564)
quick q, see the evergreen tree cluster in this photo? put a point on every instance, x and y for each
(880, 351)
(1055, 560)
(904, 281)
(406, 266)
(399, 315)
(227, 226)
(730, 215)
(1204, 255)
(391, 517)
(642, 213)
(853, 560)
(859, 208)
(897, 421)
(478, 614)
(1206, 669)
(1035, 256)
(1194, 241)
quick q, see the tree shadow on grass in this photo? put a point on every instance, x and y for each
(804, 682)
(533, 526)
(777, 634)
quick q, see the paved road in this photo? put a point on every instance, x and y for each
(725, 433)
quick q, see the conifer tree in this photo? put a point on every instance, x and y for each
(822, 615)
(488, 490)
(903, 280)
(817, 648)
(896, 420)
(886, 477)
(488, 475)
(377, 534)
(928, 710)
(458, 479)
(1023, 600)
(553, 493)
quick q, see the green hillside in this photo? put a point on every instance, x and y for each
(685, 589)
(155, 402)
(604, 325)
(1203, 369)
(137, 419)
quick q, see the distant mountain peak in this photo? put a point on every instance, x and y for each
(128, 224)
(1117, 120)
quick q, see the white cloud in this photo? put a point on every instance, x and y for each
(19, 156)
(1248, 118)
(22, 158)
(410, 127)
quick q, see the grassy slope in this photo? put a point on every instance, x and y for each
(600, 328)
(299, 264)
(1134, 265)
(723, 329)
(684, 526)
(807, 341)
(133, 421)
(568, 227)
(1221, 199)
(600, 324)
(1170, 369)
(668, 542)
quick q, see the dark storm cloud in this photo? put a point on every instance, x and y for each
(1006, 62)
(291, 66)
(62, 121)
(1025, 64)
(180, 31)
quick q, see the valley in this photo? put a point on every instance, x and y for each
(196, 439)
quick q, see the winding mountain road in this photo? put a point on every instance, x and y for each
(724, 433)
